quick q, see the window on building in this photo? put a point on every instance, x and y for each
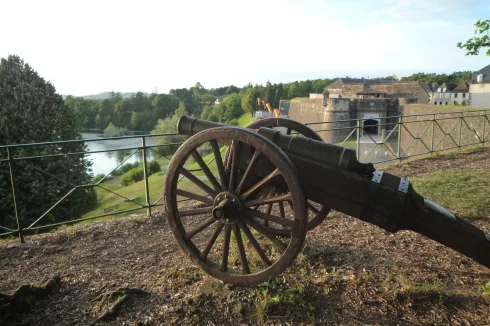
(435, 103)
(444, 89)
(455, 95)
(440, 103)
(464, 95)
(479, 78)
(447, 95)
(445, 103)
(439, 89)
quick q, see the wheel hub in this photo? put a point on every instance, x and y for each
(228, 208)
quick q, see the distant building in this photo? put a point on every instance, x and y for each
(410, 92)
(479, 90)
(443, 95)
(461, 94)
(219, 100)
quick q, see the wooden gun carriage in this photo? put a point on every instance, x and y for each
(242, 217)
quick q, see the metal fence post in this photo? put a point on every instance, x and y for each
(145, 175)
(12, 182)
(358, 139)
(459, 132)
(483, 135)
(400, 122)
(432, 134)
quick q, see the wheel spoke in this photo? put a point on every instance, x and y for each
(259, 228)
(206, 170)
(312, 208)
(250, 166)
(226, 249)
(241, 249)
(235, 162)
(267, 200)
(271, 218)
(196, 211)
(255, 244)
(219, 164)
(212, 240)
(198, 182)
(191, 195)
(204, 224)
(259, 184)
(288, 132)
(281, 210)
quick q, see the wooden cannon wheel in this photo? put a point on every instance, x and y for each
(316, 212)
(210, 212)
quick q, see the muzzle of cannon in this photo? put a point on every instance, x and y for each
(243, 218)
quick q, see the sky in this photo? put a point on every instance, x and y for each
(88, 47)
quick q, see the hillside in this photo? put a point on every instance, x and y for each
(105, 95)
(349, 273)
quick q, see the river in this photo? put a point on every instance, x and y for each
(104, 163)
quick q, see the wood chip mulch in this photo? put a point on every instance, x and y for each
(350, 273)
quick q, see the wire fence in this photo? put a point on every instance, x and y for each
(376, 139)
(12, 156)
(381, 140)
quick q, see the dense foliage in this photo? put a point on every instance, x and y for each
(142, 112)
(32, 111)
(456, 77)
(136, 173)
(480, 41)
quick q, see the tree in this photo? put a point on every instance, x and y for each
(233, 105)
(249, 100)
(122, 114)
(32, 111)
(164, 105)
(482, 40)
(206, 112)
(169, 125)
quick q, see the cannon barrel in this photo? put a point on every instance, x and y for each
(332, 176)
(334, 155)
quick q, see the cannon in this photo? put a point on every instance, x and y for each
(242, 217)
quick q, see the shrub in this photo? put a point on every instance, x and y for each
(233, 122)
(99, 177)
(153, 167)
(112, 131)
(133, 175)
(125, 168)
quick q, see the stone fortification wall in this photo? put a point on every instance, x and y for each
(313, 110)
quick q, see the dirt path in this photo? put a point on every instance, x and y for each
(350, 273)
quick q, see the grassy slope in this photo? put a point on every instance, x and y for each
(464, 192)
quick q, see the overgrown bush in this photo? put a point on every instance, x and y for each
(153, 167)
(132, 176)
(99, 177)
(112, 131)
(136, 173)
(125, 168)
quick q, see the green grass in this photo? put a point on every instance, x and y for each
(245, 119)
(348, 143)
(463, 192)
